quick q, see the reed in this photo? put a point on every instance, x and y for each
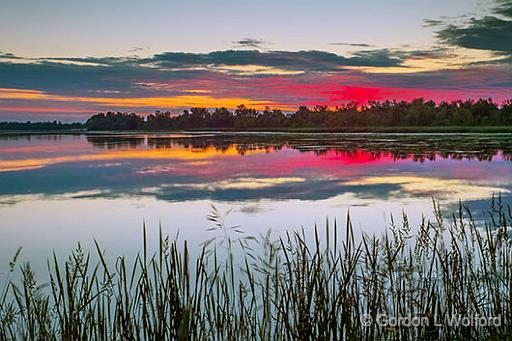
(336, 285)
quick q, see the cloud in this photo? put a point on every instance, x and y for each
(488, 33)
(432, 23)
(249, 42)
(306, 61)
(136, 49)
(504, 8)
(352, 44)
(380, 57)
(492, 32)
(35, 98)
(86, 75)
(80, 86)
(5, 55)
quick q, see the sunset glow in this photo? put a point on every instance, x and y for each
(439, 53)
(270, 169)
(177, 153)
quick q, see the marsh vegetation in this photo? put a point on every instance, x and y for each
(287, 287)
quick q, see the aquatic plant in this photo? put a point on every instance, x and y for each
(337, 285)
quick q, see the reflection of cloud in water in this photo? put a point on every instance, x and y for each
(197, 163)
(246, 183)
(158, 169)
(106, 165)
(251, 209)
(437, 187)
(150, 190)
(242, 168)
(238, 183)
(90, 194)
(178, 153)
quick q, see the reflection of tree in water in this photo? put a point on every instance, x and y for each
(414, 147)
(116, 141)
(33, 137)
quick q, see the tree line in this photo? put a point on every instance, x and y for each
(47, 125)
(417, 113)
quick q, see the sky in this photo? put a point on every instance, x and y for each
(65, 60)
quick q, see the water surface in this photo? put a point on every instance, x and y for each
(56, 190)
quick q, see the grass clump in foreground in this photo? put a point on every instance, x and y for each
(338, 286)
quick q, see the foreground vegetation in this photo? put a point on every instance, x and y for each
(326, 287)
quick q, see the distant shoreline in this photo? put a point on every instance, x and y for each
(362, 130)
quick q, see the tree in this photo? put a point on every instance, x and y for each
(418, 112)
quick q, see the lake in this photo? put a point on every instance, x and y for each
(57, 190)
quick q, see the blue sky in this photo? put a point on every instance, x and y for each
(104, 28)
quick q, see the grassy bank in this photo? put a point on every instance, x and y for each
(335, 286)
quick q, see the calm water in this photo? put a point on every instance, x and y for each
(56, 190)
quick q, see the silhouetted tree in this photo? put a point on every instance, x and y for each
(115, 121)
(28, 125)
(418, 112)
